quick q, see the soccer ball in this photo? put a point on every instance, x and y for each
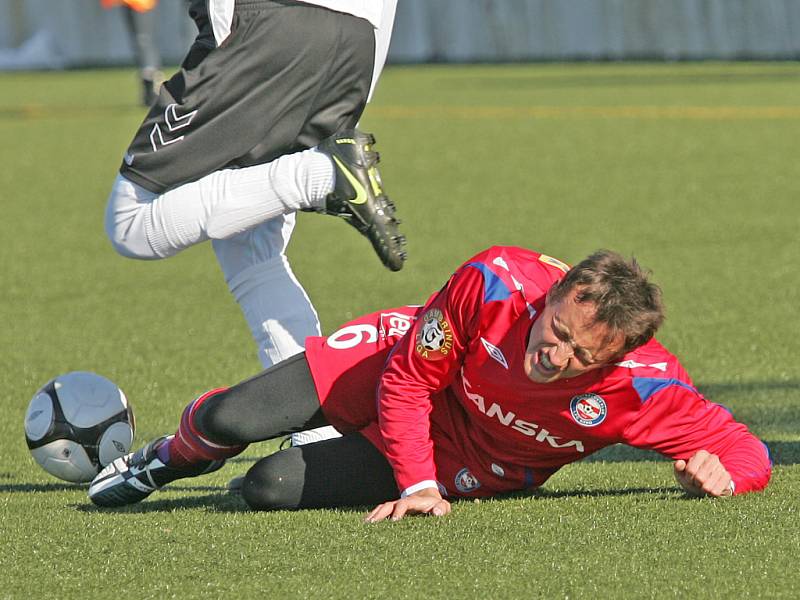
(76, 424)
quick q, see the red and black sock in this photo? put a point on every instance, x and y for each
(188, 446)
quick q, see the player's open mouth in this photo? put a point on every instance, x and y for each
(545, 365)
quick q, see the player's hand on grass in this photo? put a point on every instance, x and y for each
(703, 475)
(427, 501)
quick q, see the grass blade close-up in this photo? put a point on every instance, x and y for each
(691, 168)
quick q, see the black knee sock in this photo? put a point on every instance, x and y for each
(278, 401)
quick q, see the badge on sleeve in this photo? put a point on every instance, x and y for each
(435, 336)
(553, 262)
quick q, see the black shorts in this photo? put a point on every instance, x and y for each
(288, 76)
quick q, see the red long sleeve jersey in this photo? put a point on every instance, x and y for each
(454, 405)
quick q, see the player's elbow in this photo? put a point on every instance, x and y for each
(755, 469)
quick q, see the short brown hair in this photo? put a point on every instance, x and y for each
(625, 299)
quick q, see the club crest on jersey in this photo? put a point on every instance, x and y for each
(588, 409)
(466, 482)
(435, 337)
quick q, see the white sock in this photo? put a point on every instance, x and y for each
(246, 197)
(221, 205)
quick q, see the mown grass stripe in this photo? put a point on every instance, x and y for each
(703, 113)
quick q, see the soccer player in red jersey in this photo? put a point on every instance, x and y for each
(518, 366)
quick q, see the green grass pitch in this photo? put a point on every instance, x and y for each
(693, 168)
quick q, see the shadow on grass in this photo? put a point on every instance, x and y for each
(544, 493)
(220, 501)
(712, 389)
(782, 453)
(41, 487)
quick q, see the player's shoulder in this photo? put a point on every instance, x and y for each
(528, 271)
(517, 255)
(649, 369)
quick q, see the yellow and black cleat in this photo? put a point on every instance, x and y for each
(358, 195)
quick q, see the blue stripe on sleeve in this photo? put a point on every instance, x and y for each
(647, 386)
(493, 287)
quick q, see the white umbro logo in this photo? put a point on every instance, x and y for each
(501, 263)
(495, 353)
(632, 364)
(129, 158)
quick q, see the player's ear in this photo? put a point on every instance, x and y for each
(621, 350)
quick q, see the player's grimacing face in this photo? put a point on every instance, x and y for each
(564, 342)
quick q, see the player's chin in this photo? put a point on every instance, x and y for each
(540, 375)
(537, 373)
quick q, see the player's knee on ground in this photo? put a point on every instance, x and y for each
(345, 471)
(275, 482)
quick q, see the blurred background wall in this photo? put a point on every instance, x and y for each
(78, 33)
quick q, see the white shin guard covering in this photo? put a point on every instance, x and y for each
(145, 225)
(277, 309)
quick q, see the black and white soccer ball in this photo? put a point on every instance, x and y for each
(77, 423)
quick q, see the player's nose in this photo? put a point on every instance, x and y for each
(561, 354)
